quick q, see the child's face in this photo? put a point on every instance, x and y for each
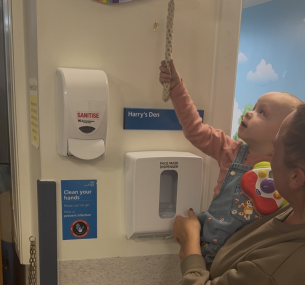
(261, 125)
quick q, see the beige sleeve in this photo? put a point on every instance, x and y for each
(292, 270)
(194, 272)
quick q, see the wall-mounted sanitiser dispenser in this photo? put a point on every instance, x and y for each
(82, 112)
(158, 186)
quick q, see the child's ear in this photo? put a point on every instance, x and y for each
(297, 179)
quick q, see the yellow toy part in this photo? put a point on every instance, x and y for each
(284, 203)
(262, 164)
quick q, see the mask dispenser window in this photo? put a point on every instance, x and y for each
(168, 194)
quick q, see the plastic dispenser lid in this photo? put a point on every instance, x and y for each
(86, 149)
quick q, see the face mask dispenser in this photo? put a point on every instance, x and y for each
(158, 186)
(83, 107)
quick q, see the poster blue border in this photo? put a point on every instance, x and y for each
(79, 208)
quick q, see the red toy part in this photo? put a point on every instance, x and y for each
(262, 205)
(248, 182)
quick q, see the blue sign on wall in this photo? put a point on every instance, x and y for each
(152, 119)
(79, 209)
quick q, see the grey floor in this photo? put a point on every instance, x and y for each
(150, 270)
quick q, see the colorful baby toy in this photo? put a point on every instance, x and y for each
(258, 184)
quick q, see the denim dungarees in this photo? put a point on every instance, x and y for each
(229, 211)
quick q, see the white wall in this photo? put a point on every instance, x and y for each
(224, 79)
(120, 40)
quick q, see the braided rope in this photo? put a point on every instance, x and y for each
(32, 267)
(169, 46)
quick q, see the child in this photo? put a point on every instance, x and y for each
(258, 128)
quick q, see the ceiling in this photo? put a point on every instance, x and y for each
(250, 3)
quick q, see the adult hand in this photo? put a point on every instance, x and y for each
(165, 76)
(186, 231)
(181, 253)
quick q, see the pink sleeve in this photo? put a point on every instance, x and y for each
(210, 141)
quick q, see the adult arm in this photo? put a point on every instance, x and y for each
(193, 266)
(194, 272)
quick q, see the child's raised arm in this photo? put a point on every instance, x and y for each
(210, 141)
